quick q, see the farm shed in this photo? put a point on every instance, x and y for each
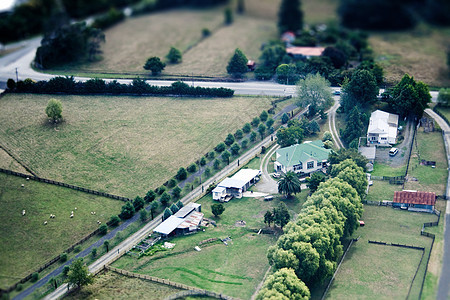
(414, 200)
(236, 185)
(186, 220)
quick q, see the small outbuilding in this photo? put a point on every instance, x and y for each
(184, 221)
(415, 200)
(236, 185)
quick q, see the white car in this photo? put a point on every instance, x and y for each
(276, 175)
(393, 151)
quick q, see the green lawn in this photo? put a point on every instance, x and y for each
(372, 271)
(234, 270)
(120, 145)
(111, 285)
(380, 169)
(26, 243)
(429, 179)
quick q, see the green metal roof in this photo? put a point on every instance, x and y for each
(291, 156)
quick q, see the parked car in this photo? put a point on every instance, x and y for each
(268, 198)
(337, 92)
(276, 175)
(393, 151)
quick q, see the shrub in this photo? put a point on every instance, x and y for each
(94, 252)
(63, 257)
(176, 192)
(263, 116)
(171, 183)
(235, 149)
(238, 134)
(202, 161)
(127, 211)
(138, 203)
(114, 220)
(174, 56)
(160, 190)
(226, 157)
(77, 249)
(143, 215)
(11, 84)
(19, 287)
(165, 198)
(270, 122)
(181, 174)
(263, 73)
(247, 128)
(216, 164)
(34, 277)
(103, 229)
(220, 147)
(244, 143)
(253, 136)
(207, 171)
(284, 118)
(65, 270)
(192, 168)
(212, 154)
(229, 140)
(206, 32)
(255, 121)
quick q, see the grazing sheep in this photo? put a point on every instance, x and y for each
(45, 223)
(71, 215)
(28, 178)
(23, 212)
(23, 185)
(75, 208)
(94, 212)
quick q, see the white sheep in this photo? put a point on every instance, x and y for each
(71, 215)
(45, 223)
(75, 208)
(98, 222)
(94, 212)
(23, 212)
(23, 185)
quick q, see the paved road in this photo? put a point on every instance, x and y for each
(444, 280)
(332, 124)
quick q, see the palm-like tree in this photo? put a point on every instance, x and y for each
(289, 184)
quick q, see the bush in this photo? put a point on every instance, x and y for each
(206, 32)
(65, 270)
(212, 154)
(247, 128)
(270, 122)
(174, 56)
(216, 164)
(103, 229)
(127, 211)
(94, 252)
(171, 183)
(263, 116)
(34, 277)
(77, 249)
(11, 84)
(181, 174)
(114, 220)
(192, 168)
(229, 140)
(244, 143)
(138, 203)
(165, 198)
(207, 171)
(176, 192)
(220, 147)
(238, 134)
(143, 215)
(255, 121)
(63, 257)
(19, 287)
(202, 161)
(235, 149)
(160, 190)
(263, 73)
(253, 136)
(284, 118)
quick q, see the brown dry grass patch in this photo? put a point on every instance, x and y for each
(420, 52)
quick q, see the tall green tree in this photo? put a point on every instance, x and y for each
(284, 284)
(127, 211)
(409, 98)
(155, 65)
(290, 136)
(362, 90)
(314, 180)
(354, 128)
(153, 208)
(281, 215)
(79, 274)
(217, 209)
(237, 65)
(54, 110)
(315, 91)
(268, 217)
(290, 16)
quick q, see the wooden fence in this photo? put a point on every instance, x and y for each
(194, 290)
(70, 186)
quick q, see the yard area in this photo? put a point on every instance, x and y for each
(428, 179)
(372, 271)
(234, 270)
(119, 145)
(26, 242)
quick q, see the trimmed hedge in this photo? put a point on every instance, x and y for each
(68, 85)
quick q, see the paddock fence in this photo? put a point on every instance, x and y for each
(189, 289)
(70, 186)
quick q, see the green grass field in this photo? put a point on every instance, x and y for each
(234, 270)
(26, 243)
(120, 145)
(429, 179)
(372, 271)
(380, 169)
(111, 285)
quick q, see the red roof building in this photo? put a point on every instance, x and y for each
(415, 200)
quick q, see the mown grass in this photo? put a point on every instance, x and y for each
(120, 145)
(234, 270)
(372, 271)
(382, 191)
(111, 285)
(420, 52)
(26, 243)
(380, 169)
(7, 162)
(428, 178)
(445, 111)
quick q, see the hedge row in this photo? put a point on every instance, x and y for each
(68, 85)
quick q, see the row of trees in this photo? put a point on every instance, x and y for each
(68, 85)
(311, 246)
(295, 131)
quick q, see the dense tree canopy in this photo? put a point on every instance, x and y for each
(174, 56)
(217, 209)
(155, 65)
(79, 274)
(343, 154)
(290, 135)
(54, 110)
(362, 90)
(409, 98)
(351, 173)
(356, 123)
(284, 285)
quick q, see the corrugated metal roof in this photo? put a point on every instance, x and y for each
(168, 225)
(246, 175)
(185, 210)
(193, 220)
(232, 183)
(415, 197)
(293, 155)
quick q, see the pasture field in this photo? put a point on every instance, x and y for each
(26, 243)
(428, 179)
(372, 271)
(110, 285)
(419, 52)
(7, 162)
(119, 145)
(234, 270)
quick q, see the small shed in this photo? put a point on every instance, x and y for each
(414, 200)
(251, 65)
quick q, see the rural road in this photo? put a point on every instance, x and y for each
(444, 280)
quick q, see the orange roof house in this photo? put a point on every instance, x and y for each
(415, 200)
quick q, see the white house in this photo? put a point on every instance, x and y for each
(303, 158)
(236, 185)
(382, 128)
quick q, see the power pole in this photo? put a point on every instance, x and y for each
(17, 76)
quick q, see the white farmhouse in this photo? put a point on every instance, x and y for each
(382, 128)
(303, 158)
(236, 185)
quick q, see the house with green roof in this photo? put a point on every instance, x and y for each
(306, 158)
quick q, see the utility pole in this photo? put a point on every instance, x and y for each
(17, 76)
